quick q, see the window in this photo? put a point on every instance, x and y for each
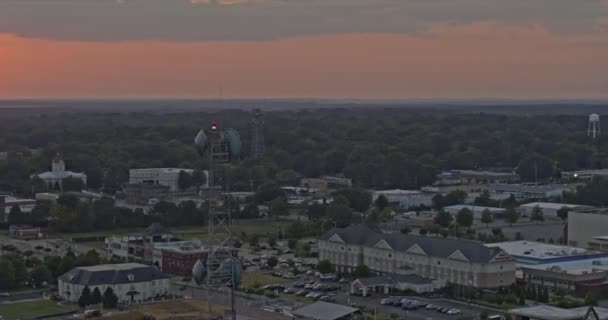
(390, 255)
(438, 262)
(131, 277)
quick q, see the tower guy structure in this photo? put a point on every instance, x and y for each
(257, 134)
(593, 130)
(221, 267)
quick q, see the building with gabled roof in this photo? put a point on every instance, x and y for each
(131, 282)
(457, 261)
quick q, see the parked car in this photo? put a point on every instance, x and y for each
(327, 298)
(453, 311)
(385, 302)
(289, 290)
(299, 284)
(302, 293)
(343, 280)
(5, 294)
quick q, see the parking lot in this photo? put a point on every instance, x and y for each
(328, 288)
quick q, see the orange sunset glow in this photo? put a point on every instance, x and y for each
(478, 59)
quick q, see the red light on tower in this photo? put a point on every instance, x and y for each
(213, 126)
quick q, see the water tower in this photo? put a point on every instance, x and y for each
(593, 130)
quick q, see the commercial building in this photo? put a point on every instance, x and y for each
(573, 270)
(532, 192)
(178, 257)
(406, 198)
(385, 284)
(138, 247)
(54, 178)
(587, 227)
(462, 262)
(160, 176)
(474, 177)
(584, 175)
(7, 202)
(550, 208)
(477, 210)
(131, 282)
(145, 194)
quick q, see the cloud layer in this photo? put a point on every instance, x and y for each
(253, 20)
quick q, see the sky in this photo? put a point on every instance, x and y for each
(351, 49)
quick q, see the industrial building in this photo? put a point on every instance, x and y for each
(477, 210)
(474, 177)
(584, 175)
(457, 261)
(587, 227)
(160, 176)
(550, 209)
(532, 192)
(131, 282)
(406, 198)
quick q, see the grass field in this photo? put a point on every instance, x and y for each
(250, 279)
(31, 309)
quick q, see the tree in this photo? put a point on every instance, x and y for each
(15, 216)
(537, 214)
(7, 274)
(340, 214)
(72, 184)
(511, 215)
(486, 217)
(591, 299)
(199, 178)
(272, 242)
(361, 271)
(292, 244)
(315, 211)
(562, 213)
(278, 207)
(272, 261)
(85, 297)
(443, 218)
(325, 266)
(406, 230)
(268, 192)
(250, 211)
(40, 275)
(464, 218)
(296, 230)
(109, 299)
(184, 180)
(96, 296)
(359, 199)
(254, 240)
(381, 202)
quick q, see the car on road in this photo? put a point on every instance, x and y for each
(4, 294)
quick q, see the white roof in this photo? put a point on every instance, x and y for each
(321, 310)
(120, 266)
(553, 205)
(49, 175)
(539, 250)
(576, 267)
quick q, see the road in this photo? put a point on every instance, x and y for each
(18, 296)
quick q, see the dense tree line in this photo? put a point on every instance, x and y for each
(377, 148)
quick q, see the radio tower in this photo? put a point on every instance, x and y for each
(257, 135)
(221, 266)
